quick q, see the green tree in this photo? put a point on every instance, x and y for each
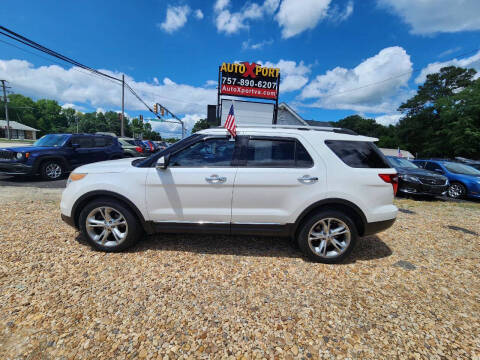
(436, 112)
(200, 125)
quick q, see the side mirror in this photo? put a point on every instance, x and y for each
(162, 162)
(75, 146)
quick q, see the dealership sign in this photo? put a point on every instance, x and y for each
(249, 80)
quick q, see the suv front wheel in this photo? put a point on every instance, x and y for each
(52, 170)
(327, 237)
(108, 225)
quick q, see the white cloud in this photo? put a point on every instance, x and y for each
(210, 83)
(297, 16)
(74, 86)
(337, 15)
(248, 45)
(469, 62)
(73, 106)
(449, 51)
(293, 76)
(175, 19)
(232, 22)
(432, 16)
(378, 84)
(198, 14)
(389, 119)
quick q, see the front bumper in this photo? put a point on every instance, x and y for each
(69, 220)
(412, 188)
(15, 168)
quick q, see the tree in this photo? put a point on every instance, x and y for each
(437, 111)
(200, 125)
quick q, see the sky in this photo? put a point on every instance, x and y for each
(336, 57)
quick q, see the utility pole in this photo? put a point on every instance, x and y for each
(122, 132)
(6, 107)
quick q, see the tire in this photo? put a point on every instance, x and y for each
(315, 249)
(52, 169)
(456, 190)
(118, 237)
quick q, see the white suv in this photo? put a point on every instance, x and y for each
(322, 187)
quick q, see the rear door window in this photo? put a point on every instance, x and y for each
(358, 154)
(83, 142)
(100, 141)
(287, 153)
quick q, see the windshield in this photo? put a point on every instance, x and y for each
(51, 140)
(401, 162)
(457, 168)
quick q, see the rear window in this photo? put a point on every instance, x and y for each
(358, 154)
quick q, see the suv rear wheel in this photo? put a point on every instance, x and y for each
(52, 170)
(108, 225)
(327, 237)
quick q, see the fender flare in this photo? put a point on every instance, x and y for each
(85, 198)
(40, 159)
(333, 202)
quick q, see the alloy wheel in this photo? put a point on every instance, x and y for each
(329, 237)
(455, 191)
(106, 226)
(53, 170)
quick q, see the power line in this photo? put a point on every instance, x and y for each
(13, 35)
(57, 62)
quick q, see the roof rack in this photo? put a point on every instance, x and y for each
(300, 127)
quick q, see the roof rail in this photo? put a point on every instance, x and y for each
(302, 127)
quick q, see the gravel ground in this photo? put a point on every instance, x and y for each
(411, 292)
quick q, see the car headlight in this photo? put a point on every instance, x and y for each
(410, 178)
(75, 177)
(19, 156)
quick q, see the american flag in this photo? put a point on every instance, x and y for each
(230, 123)
(399, 153)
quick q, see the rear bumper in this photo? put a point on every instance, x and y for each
(377, 226)
(14, 168)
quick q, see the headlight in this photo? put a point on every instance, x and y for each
(75, 177)
(19, 156)
(410, 178)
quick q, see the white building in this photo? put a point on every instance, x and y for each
(17, 130)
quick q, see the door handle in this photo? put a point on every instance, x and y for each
(307, 179)
(215, 179)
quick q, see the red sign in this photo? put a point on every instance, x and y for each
(238, 90)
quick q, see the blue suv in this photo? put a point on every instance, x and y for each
(464, 180)
(54, 155)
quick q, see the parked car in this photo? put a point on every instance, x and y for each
(464, 180)
(53, 155)
(131, 148)
(472, 163)
(323, 188)
(150, 146)
(416, 181)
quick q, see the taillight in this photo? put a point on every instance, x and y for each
(391, 179)
(139, 149)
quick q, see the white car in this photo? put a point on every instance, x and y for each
(323, 187)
